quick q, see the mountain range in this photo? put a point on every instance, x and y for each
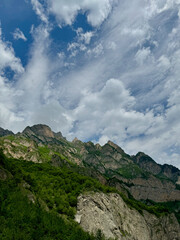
(136, 197)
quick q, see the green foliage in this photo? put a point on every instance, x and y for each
(44, 153)
(131, 171)
(21, 219)
(57, 187)
(166, 207)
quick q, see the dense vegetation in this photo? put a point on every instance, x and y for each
(55, 191)
(21, 219)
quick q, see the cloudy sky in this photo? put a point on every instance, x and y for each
(94, 69)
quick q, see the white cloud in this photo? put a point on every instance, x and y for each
(142, 55)
(8, 58)
(8, 118)
(84, 37)
(96, 51)
(18, 34)
(40, 10)
(37, 101)
(66, 11)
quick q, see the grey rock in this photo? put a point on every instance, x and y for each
(110, 214)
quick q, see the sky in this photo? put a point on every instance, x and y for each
(97, 70)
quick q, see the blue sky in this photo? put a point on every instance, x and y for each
(94, 69)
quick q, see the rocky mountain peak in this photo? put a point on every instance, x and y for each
(39, 130)
(112, 144)
(115, 146)
(75, 140)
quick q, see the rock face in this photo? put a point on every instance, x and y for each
(21, 148)
(41, 133)
(5, 132)
(110, 214)
(39, 130)
(154, 189)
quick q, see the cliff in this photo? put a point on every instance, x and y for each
(110, 214)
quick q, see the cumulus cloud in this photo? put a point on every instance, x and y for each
(8, 58)
(7, 91)
(37, 101)
(66, 11)
(18, 34)
(84, 37)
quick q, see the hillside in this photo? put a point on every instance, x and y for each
(57, 174)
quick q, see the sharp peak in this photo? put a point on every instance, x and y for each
(112, 144)
(76, 140)
(39, 125)
(39, 129)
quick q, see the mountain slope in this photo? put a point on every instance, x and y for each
(43, 198)
(138, 175)
(57, 171)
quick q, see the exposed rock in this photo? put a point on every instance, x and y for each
(58, 135)
(20, 147)
(39, 130)
(76, 140)
(115, 219)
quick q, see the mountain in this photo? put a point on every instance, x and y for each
(137, 182)
(5, 132)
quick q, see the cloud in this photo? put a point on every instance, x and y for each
(37, 101)
(84, 37)
(18, 34)
(66, 11)
(8, 58)
(40, 10)
(9, 61)
(142, 55)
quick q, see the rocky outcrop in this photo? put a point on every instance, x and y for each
(110, 214)
(42, 134)
(20, 148)
(154, 189)
(39, 130)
